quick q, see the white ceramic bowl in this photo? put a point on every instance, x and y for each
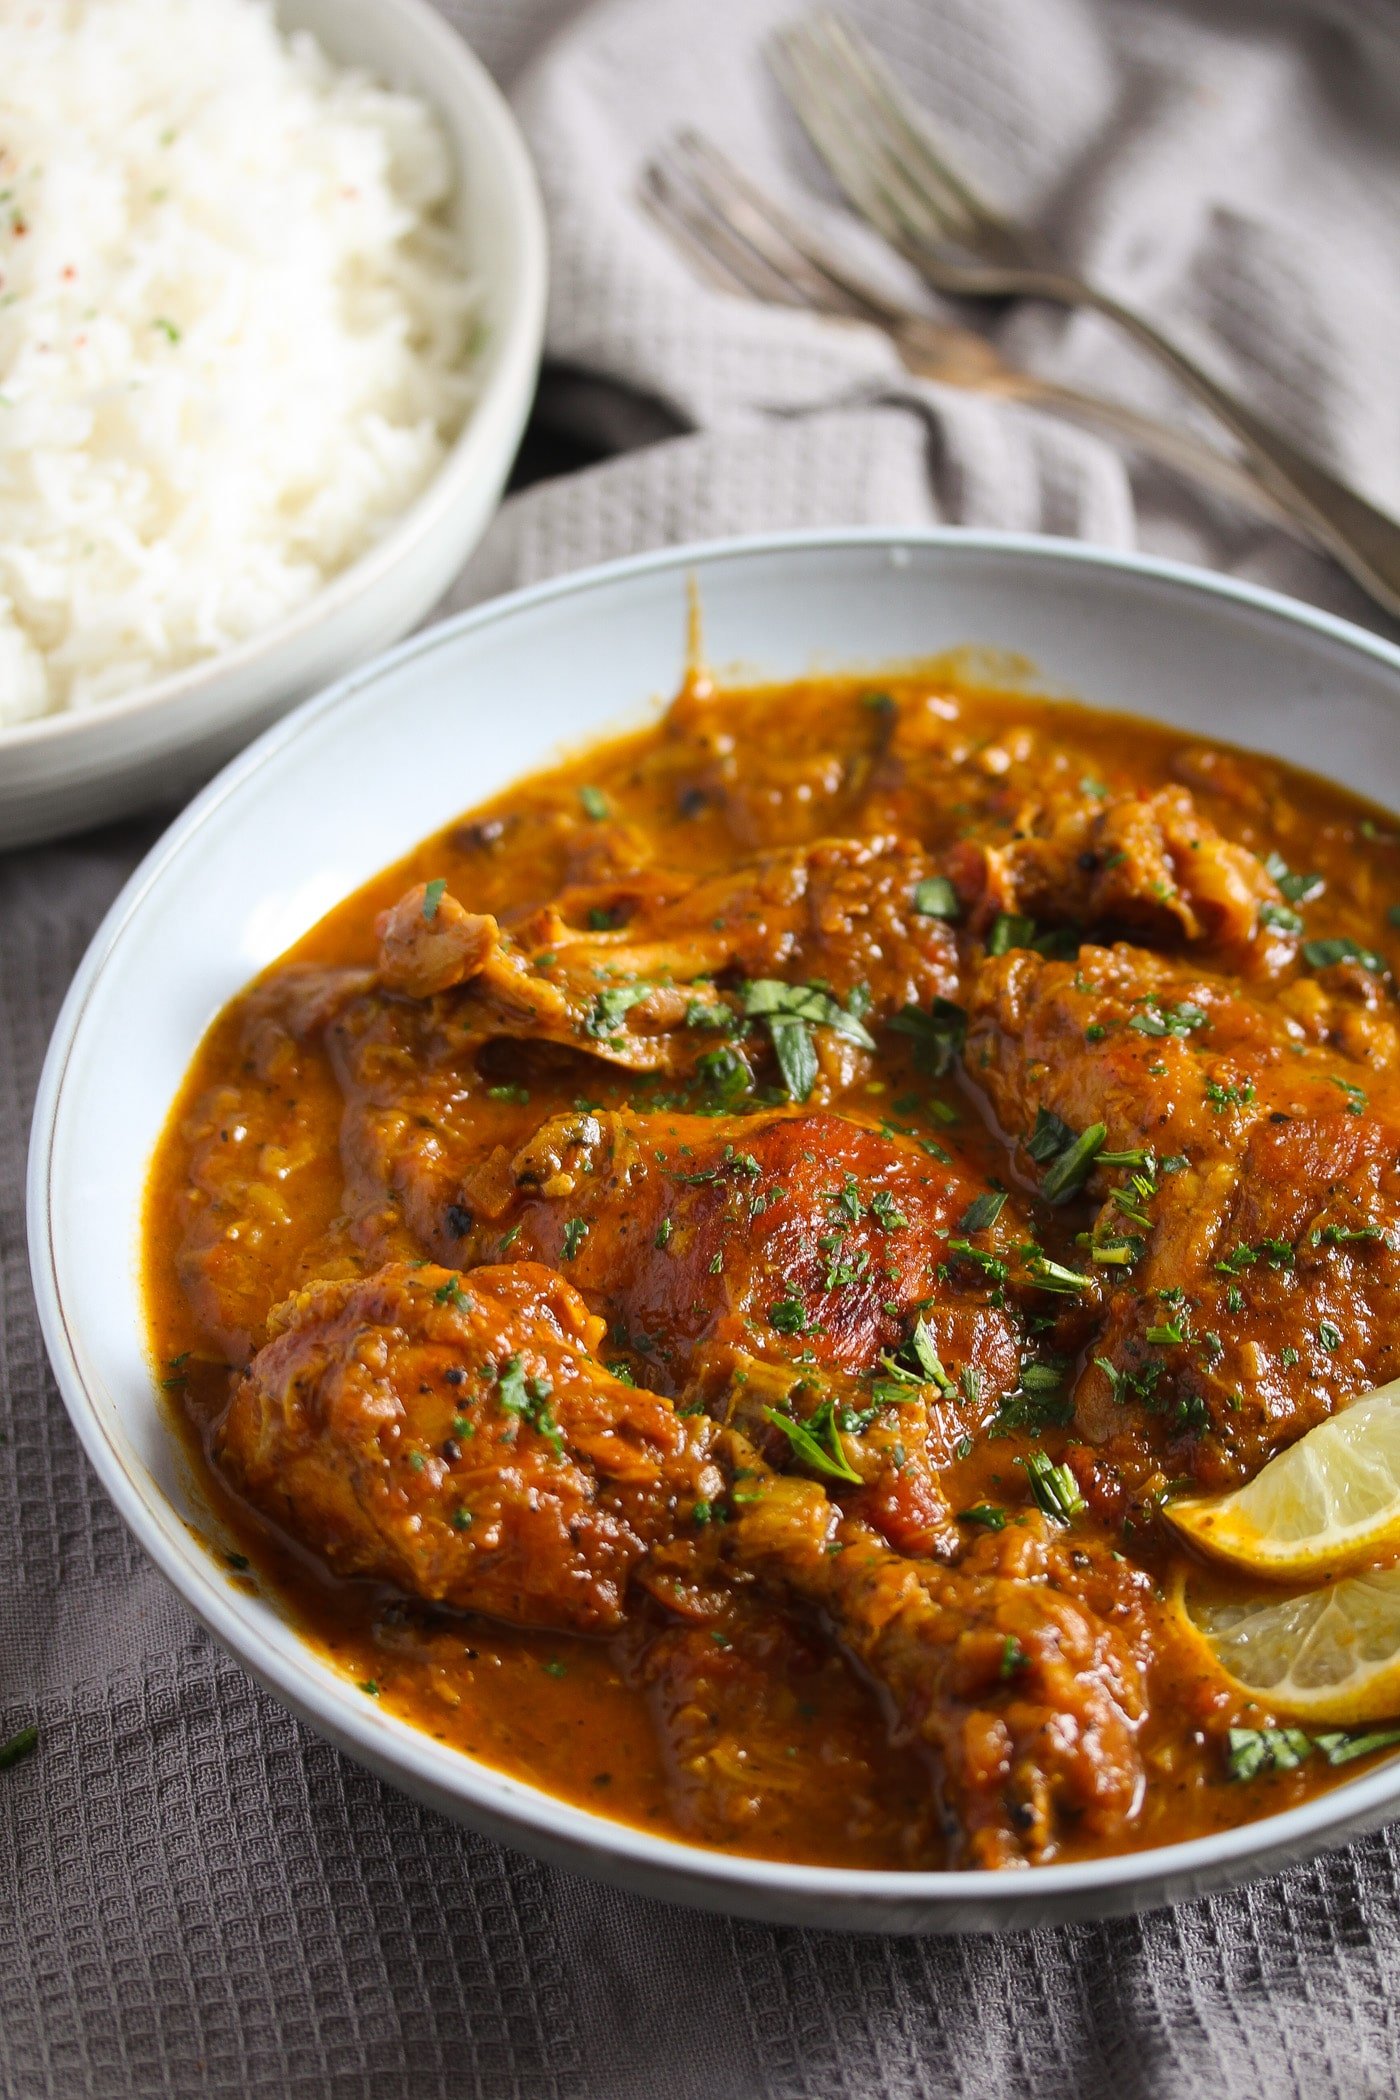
(65, 772)
(329, 796)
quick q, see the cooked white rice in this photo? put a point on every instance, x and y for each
(234, 333)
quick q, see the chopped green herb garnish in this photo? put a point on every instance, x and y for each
(594, 803)
(1067, 1173)
(986, 1514)
(575, 1232)
(1010, 930)
(19, 1746)
(432, 895)
(1053, 1487)
(935, 898)
(817, 1441)
(1155, 1020)
(1051, 1276)
(1013, 1657)
(937, 1035)
(1321, 955)
(1298, 889)
(983, 1211)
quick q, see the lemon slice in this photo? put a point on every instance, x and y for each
(1331, 1501)
(1324, 1655)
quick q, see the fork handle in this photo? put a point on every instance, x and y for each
(1364, 540)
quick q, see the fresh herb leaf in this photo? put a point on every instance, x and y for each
(575, 1233)
(1067, 1173)
(817, 1441)
(432, 896)
(1051, 1276)
(1013, 1657)
(935, 898)
(1298, 889)
(1010, 930)
(594, 803)
(937, 1035)
(1053, 1487)
(790, 1012)
(19, 1746)
(983, 1211)
(1051, 1136)
(1155, 1020)
(986, 1514)
(1321, 955)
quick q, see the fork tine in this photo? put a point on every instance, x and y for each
(875, 145)
(727, 263)
(787, 248)
(801, 69)
(904, 119)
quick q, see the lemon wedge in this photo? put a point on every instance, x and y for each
(1328, 1655)
(1329, 1502)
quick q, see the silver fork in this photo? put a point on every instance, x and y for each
(881, 149)
(745, 242)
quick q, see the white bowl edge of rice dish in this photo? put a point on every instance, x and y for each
(236, 333)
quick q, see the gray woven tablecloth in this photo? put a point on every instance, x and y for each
(198, 1897)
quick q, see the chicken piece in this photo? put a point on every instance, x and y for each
(640, 993)
(1030, 1699)
(731, 1699)
(428, 942)
(890, 1440)
(1146, 866)
(1252, 1221)
(457, 1436)
(782, 1234)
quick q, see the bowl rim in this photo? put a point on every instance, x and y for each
(323, 1695)
(518, 337)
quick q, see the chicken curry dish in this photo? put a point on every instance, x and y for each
(700, 1286)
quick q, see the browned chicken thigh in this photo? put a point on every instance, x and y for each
(457, 1436)
(1248, 1170)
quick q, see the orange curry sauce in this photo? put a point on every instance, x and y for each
(774, 1740)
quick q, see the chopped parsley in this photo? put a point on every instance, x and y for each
(1010, 930)
(1054, 1488)
(594, 803)
(1070, 1169)
(937, 1035)
(1321, 955)
(529, 1398)
(987, 1514)
(1252, 1752)
(790, 1012)
(1013, 1657)
(935, 898)
(432, 896)
(1155, 1020)
(817, 1441)
(1298, 889)
(983, 1211)
(19, 1746)
(575, 1233)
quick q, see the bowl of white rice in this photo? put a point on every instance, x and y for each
(272, 288)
